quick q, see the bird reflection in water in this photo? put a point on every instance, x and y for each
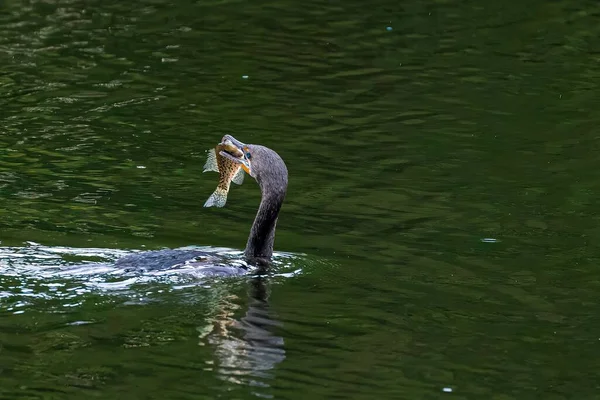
(246, 349)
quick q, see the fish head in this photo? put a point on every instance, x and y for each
(238, 152)
(230, 148)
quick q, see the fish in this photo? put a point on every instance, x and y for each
(229, 171)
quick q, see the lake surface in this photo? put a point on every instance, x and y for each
(439, 238)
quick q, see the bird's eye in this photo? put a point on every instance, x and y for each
(248, 155)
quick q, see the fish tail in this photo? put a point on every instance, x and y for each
(217, 199)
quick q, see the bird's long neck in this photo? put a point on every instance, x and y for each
(262, 233)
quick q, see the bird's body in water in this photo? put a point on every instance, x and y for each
(270, 172)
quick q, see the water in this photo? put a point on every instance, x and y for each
(439, 237)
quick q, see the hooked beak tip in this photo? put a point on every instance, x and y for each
(233, 140)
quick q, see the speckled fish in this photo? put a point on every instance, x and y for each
(229, 171)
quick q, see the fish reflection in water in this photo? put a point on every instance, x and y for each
(247, 348)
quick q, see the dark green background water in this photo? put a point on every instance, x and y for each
(440, 231)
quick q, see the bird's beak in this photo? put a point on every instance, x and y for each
(243, 160)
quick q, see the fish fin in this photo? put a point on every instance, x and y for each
(217, 199)
(211, 162)
(238, 178)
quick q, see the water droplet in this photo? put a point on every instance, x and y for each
(244, 76)
(141, 167)
(77, 323)
(489, 240)
(389, 28)
(447, 390)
